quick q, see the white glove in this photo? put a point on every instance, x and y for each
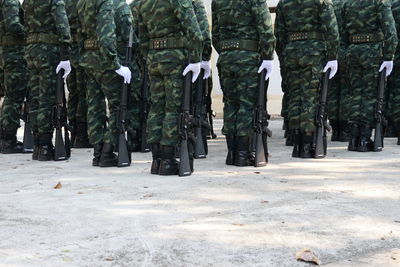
(206, 66)
(269, 66)
(389, 67)
(124, 72)
(195, 68)
(66, 66)
(333, 65)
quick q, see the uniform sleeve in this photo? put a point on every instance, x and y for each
(215, 29)
(144, 38)
(280, 32)
(264, 26)
(11, 15)
(62, 26)
(105, 30)
(202, 19)
(330, 27)
(388, 28)
(185, 13)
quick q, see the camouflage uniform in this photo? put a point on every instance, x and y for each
(12, 62)
(247, 22)
(48, 43)
(369, 38)
(99, 58)
(307, 37)
(393, 103)
(77, 104)
(337, 91)
(2, 90)
(173, 21)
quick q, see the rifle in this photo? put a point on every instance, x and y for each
(261, 118)
(28, 136)
(144, 110)
(63, 144)
(379, 119)
(124, 156)
(199, 148)
(321, 119)
(184, 128)
(210, 112)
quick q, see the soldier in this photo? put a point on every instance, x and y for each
(337, 93)
(243, 36)
(370, 39)
(307, 36)
(393, 104)
(12, 38)
(77, 104)
(170, 37)
(47, 52)
(104, 76)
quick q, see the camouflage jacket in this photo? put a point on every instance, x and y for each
(243, 20)
(123, 23)
(396, 15)
(11, 18)
(97, 26)
(297, 16)
(72, 13)
(49, 17)
(369, 17)
(338, 4)
(174, 19)
(202, 19)
(134, 5)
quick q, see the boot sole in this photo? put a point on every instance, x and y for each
(168, 173)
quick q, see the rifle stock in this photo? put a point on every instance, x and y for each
(210, 112)
(321, 138)
(59, 113)
(378, 136)
(199, 149)
(28, 136)
(184, 121)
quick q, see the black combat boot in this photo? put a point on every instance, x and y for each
(307, 149)
(365, 144)
(344, 132)
(46, 148)
(289, 138)
(10, 144)
(232, 147)
(107, 157)
(156, 153)
(354, 131)
(335, 130)
(398, 139)
(168, 165)
(390, 130)
(97, 148)
(244, 157)
(36, 144)
(297, 143)
(73, 132)
(81, 139)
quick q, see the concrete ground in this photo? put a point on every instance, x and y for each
(345, 208)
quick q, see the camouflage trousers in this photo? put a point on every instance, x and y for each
(42, 61)
(15, 84)
(285, 98)
(239, 84)
(362, 78)
(337, 100)
(166, 84)
(393, 97)
(2, 89)
(303, 77)
(77, 104)
(134, 98)
(101, 85)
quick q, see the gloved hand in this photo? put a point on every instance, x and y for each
(333, 65)
(195, 68)
(125, 73)
(389, 67)
(66, 66)
(205, 65)
(269, 66)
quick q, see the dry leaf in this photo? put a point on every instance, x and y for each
(109, 259)
(265, 201)
(149, 195)
(307, 255)
(58, 186)
(237, 224)
(80, 193)
(257, 172)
